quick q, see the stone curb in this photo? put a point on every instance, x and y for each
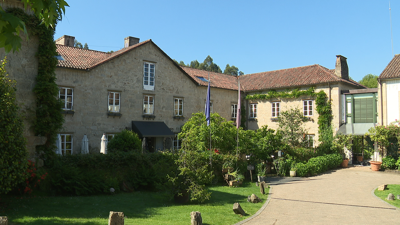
(259, 211)
(373, 193)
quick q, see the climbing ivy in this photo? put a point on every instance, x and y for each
(324, 109)
(49, 119)
(295, 93)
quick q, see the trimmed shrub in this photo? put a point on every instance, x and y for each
(126, 141)
(97, 173)
(318, 165)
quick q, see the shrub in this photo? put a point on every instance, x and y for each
(388, 163)
(398, 164)
(97, 173)
(318, 165)
(13, 155)
(125, 141)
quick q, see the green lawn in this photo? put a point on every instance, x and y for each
(138, 207)
(391, 188)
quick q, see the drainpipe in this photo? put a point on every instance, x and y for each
(381, 98)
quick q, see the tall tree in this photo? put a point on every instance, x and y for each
(86, 46)
(370, 81)
(77, 44)
(194, 64)
(48, 11)
(232, 70)
(209, 65)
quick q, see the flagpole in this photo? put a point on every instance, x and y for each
(209, 108)
(238, 120)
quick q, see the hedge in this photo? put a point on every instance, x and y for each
(318, 165)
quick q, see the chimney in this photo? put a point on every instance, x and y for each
(341, 68)
(66, 40)
(129, 41)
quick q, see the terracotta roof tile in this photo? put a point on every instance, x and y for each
(392, 70)
(218, 80)
(78, 58)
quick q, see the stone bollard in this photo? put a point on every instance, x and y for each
(238, 209)
(3, 220)
(382, 187)
(254, 199)
(116, 218)
(196, 218)
(262, 185)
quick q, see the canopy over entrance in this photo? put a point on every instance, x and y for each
(151, 129)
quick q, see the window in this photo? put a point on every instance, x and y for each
(114, 101)
(66, 144)
(308, 108)
(253, 110)
(234, 110)
(148, 104)
(66, 95)
(178, 107)
(202, 79)
(275, 109)
(364, 110)
(310, 140)
(148, 76)
(177, 143)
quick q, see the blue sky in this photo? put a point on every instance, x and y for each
(255, 36)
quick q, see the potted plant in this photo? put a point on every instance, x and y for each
(341, 143)
(293, 170)
(239, 178)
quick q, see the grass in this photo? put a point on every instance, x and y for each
(138, 207)
(391, 188)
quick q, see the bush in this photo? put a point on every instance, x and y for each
(388, 163)
(398, 164)
(97, 173)
(13, 155)
(125, 141)
(318, 165)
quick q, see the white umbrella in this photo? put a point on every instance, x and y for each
(103, 146)
(85, 145)
(58, 143)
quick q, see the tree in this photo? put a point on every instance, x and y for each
(194, 64)
(232, 70)
(126, 141)
(195, 133)
(13, 151)
(77, 44)
(209, 65)
(48, 11)
(291, 126)
(86, 46)
(266, 142)
(370, 81)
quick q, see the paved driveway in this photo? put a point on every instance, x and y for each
(344, 196)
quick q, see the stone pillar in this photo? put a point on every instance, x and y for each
(196, 218)
(238, 209)
(116, 218)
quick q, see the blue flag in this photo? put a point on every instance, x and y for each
(208, 118)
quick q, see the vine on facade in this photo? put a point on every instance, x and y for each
(324, 109)
(295, 93)
(49, 119)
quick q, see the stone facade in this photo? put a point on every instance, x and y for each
(124, 74)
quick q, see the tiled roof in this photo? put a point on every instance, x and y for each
(392, 70)
(217, 80)
(78, 58)
(292, 77)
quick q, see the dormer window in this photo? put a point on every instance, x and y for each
(202, 79)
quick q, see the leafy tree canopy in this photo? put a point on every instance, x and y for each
(48, 11)
(370, 81)
(126, 141)
(77, 44)
(291, 126)
(209, 65)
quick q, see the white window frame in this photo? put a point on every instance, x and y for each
(149, 71)
(253, 110)
(148, 104)
(65, 98)
(64, 144)
(234, 111)
(114, 107)
(275, 106)
(178, 106)
(306, 107)
(308, 140)
(177, 143)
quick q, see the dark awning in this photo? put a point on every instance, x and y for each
(151, 129)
